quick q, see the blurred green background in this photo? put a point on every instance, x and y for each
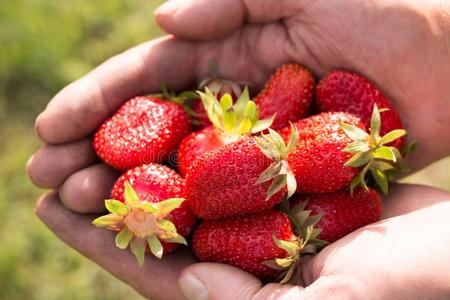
(45, 45)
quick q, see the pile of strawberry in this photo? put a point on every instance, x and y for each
(260, 181)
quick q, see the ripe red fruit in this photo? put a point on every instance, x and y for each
(350, 92)
(337, 214)
(288, 94)
(245, 242)
(155, 183)
(318, 161)
(224, 182)
(145, 129)
(149, 208)
(231, 122)
(195, 145)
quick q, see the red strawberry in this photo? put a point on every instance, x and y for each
(248, 242)
(195, 145)
(145, 129)
(231, 122)
(318, 161)
(243, 177)
(333, 148)
(337, 214)
(348, 91)
(288, 94)
(148, 209)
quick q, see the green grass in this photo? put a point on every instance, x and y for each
(45, 45)
(34, 264)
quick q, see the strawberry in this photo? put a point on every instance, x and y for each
(254, 243)
(195, 145)
(334, 151)
(231, 122)
(348, 91)
(288, 94)
(372, 152)
(338, 213)
(148, 209)
(145, 129)
(249, 175)
(318, 161)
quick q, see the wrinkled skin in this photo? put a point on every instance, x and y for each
(400, 46)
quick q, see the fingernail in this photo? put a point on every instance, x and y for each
(28, 165)
(170, 7)
(37, 125)
(192, 287)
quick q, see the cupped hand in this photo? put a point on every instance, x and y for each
(400, 46)
(404, 256)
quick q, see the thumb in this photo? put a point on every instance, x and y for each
(210, 281)
(208, 19)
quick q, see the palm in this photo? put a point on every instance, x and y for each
(335, 269)
(322, 39)
(389, 250)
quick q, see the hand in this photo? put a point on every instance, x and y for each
(399, 45)
(404, 256)
(408, 67)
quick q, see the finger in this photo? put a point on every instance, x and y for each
(80, 107)
(217, 281)
(86, 190)
(336, 286)
(156, 279)
(206, 19)
(406, 198)
(52, 164)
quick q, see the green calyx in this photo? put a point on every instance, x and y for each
(372, 153)
(234, 120)
(287, 264)
(305, 225)
(306, 242)
(274, 147)
(181, 99)
(141, 223)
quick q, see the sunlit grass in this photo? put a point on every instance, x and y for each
(34, 264)
(45, 45)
